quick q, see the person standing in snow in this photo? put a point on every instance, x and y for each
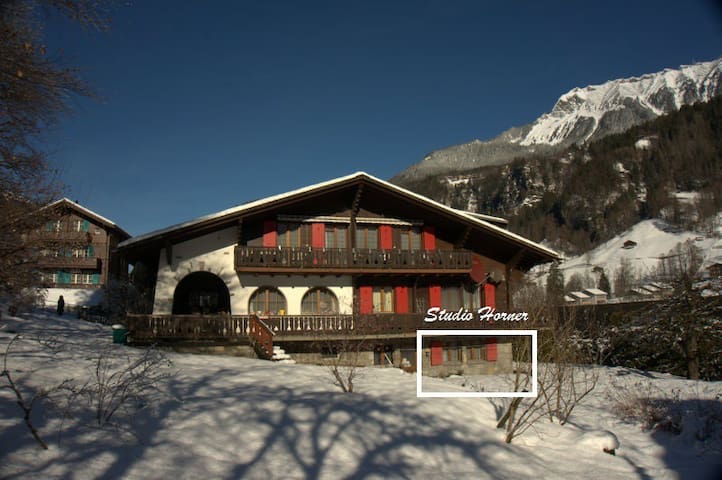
(61, 305)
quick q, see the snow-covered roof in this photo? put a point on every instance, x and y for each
(488, 218)
(88, 212)
(579, 295)
(474, 218)
(595, 291)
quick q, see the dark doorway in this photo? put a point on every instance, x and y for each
(201, 293)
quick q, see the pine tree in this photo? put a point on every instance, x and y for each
(555, 285)
(603, 283)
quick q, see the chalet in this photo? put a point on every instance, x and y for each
(354, 258)
(581, 298)
(75, 255)
(596, 295)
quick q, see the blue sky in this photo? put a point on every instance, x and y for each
(206, 105)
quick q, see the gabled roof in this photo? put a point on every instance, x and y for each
(66, 202)
(594, 291)
(537, 253)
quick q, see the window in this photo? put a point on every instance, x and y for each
(84, 278)
(336, 236)
(81, 225)
(53, 226)
(411, 238)
(452, 353)
(456, 297)
(267, 300)
(367, 237)
(319, 301)
(476, 353)
(289, 235)
(383, 299)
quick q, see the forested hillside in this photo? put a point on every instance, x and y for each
(587, 194)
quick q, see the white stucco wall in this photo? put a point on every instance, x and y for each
(214, 253)
(294, 287)
(74, 296)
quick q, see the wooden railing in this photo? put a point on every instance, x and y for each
(72, 262)
(161, 328)
(280, 258)
(261, 337)
(263, 331)
(64, 236)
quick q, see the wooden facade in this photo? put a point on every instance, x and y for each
(354, 257)
(76, 248)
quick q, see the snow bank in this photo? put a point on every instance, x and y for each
(228, 417)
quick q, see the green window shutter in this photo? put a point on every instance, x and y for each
(49, 226)
(95, 278)
(86, 225)
(91, 251)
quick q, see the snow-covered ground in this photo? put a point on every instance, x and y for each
(227, 417)
(652, 240)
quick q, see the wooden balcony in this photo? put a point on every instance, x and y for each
(293, 259)
(148, 329)
(66, 236)
(69, 262)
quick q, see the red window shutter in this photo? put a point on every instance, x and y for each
(402, 299)
(429, 238)
(477, 269)
(387, 239)
(491, 350)
(490, 295)
(270, 236)
(366, 299)
(318, 235)
(437, 354)
(435, 296)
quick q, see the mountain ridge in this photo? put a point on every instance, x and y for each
(579, 116)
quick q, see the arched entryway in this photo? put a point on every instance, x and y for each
(201, 293)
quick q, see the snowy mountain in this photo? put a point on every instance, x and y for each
(582, 115)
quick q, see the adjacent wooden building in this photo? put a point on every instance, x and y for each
(354, 258)
(76, 253)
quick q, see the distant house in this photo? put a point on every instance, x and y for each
(714, 270)
(350, 259)
(580, 298)
(629, 244)
(596, 295)
(75, 258)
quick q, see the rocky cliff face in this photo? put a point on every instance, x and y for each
(580, 116)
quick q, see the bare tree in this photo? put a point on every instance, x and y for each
(28, 399)
(35, 88)
(562, 378)
(343, 358)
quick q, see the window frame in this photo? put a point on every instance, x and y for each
(266, 291)
(317, 292)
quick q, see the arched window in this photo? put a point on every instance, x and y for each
(319, 301)
(268, 301)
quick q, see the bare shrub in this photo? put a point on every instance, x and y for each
(119, 387)
(563, 381)
(27, 400)
(343, 358)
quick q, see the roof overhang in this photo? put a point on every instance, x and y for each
(524, 252)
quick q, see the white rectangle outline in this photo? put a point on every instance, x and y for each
(420, 334)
